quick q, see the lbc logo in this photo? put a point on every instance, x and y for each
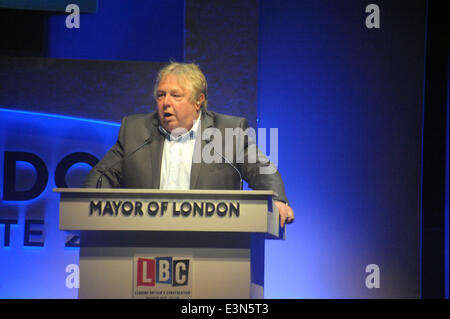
(162, 270)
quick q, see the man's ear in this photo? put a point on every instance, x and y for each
(200, 100)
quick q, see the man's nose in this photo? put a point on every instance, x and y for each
(166, 102)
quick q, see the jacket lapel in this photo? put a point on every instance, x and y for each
(156, 148)
(206, 121)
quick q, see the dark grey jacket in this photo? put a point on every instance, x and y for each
(143, 169)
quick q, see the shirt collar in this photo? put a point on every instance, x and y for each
(191, 134)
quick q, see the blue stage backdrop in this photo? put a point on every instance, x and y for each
(348, 104)
(346, 100)
(39, 152)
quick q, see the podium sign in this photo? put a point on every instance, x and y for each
(140, 243)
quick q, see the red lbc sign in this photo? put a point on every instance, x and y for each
(146, 272)
(162, 270)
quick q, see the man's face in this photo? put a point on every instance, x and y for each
(174, 107)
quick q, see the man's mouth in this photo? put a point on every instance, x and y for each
(167, 115)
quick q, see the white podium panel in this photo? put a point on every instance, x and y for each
(170, 244)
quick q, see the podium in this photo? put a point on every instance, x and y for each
(141, 243)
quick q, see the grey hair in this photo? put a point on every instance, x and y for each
(191, 74)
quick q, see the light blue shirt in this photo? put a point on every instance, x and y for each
(177, 158)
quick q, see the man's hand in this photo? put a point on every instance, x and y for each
(286, 213)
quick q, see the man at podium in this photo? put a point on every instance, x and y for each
(184, 146)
